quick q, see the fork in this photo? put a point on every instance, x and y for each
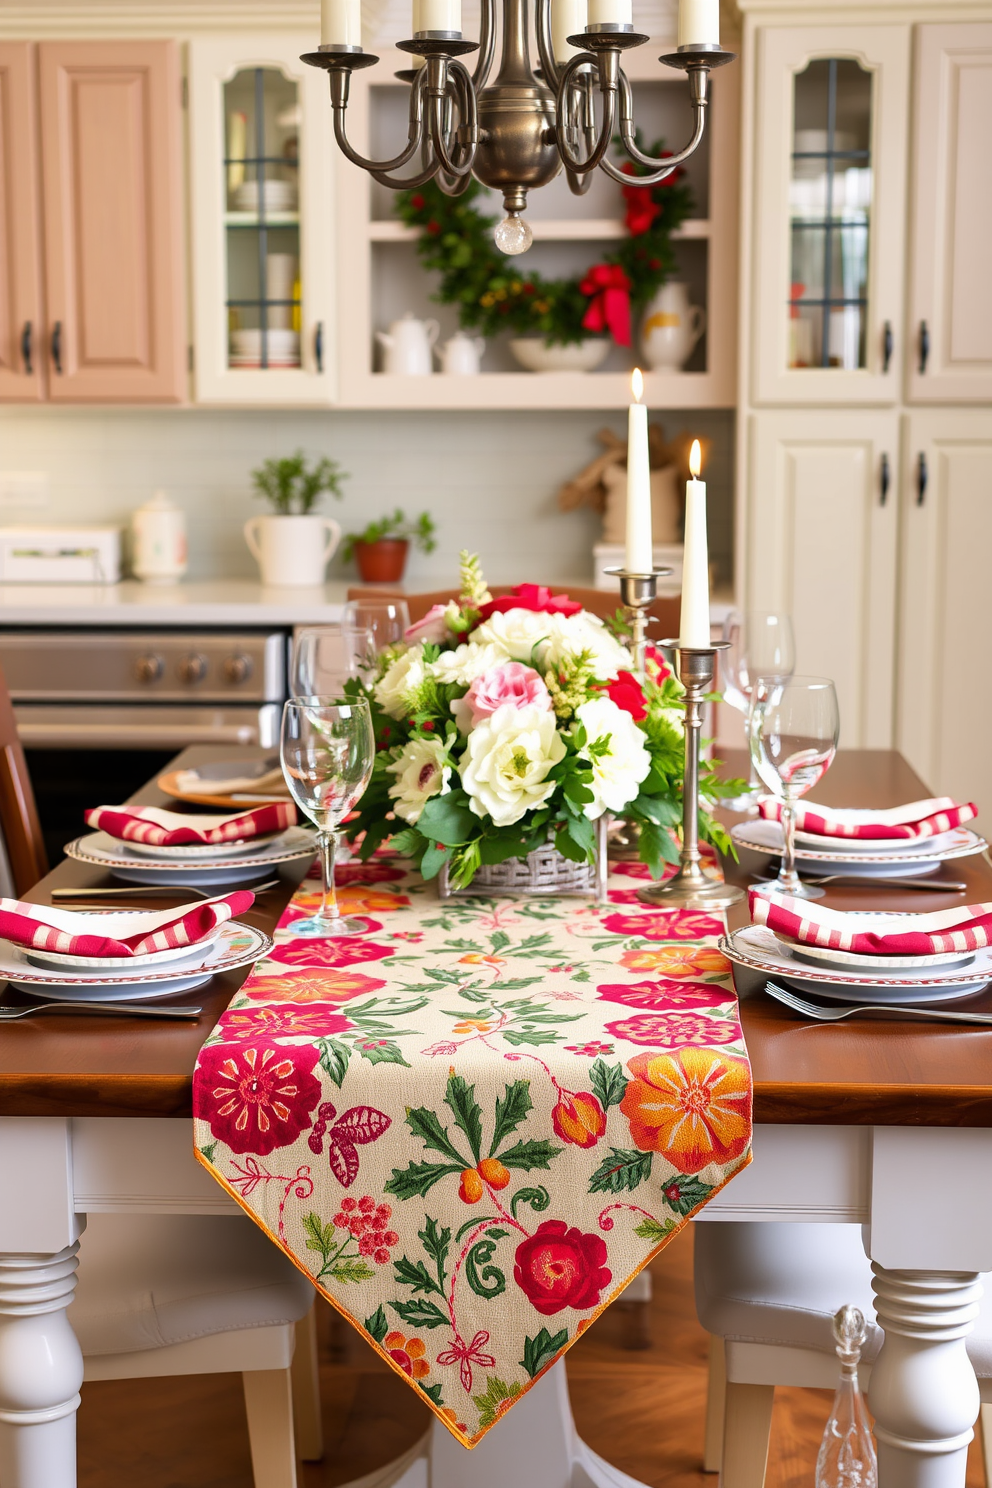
(834, 1014)
(122, 1009)
(863, 881)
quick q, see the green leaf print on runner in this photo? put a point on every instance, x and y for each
(498, 1394)
(623, 1169)
(541, 1349)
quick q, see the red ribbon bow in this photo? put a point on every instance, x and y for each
(609, 308)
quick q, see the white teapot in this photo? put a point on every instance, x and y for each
(407, 346)
(460, 356)
(670, 328)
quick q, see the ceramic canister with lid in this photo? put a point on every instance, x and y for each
(158, 541)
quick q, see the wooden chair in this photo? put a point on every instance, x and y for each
(19, 824)
(601, 602)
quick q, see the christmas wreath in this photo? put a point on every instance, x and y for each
(492, 295)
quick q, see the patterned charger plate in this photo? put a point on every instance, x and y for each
(239, 867)
(766, 837)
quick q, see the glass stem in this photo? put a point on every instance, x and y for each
(788, 878)
(327, 843)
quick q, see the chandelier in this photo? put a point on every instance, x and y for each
(518, 132)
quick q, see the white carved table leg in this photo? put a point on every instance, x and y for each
(923, 1394)
(41, 1370)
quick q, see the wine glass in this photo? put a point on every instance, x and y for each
(327, 750)
(386, 619)
(793, 730)
(325, 657)
(761, 645)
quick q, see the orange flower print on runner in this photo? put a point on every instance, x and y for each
(678, 961)
(311, 985)
(693, 1107)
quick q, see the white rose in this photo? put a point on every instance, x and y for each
(618, 770)
(506, 762)
(466, 662)
(400, 679)
(421, 773)
(515, 632)
(572, 634)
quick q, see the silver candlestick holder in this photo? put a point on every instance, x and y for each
(690, 888)
(638, 591)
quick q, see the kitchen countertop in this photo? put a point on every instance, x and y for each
(211, 603)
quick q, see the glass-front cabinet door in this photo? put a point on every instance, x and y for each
(830, 175)
(261, 157)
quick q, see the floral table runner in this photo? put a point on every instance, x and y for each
(474, 1125)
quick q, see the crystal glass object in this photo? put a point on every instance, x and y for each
(793, 733)
(513, 235)
(327, 751)
(385, 620)
(325, 657)
(761, 645)
(847, 1452)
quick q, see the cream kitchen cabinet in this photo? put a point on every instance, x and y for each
(262, 177)
(91, 308)
(944, 709)
(823, 547)
(950, 300)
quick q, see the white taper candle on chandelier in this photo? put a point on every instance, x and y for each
(694, 624)
(639, 554)
(610, 13)
(699, 23)
(568, 18)
(436, 15)
(341, 23)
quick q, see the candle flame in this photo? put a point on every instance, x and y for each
(637, 384)
(695, 460)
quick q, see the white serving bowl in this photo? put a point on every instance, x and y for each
(535, 355)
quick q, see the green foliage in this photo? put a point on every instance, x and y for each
(541, 1349)
(291, 487)
(623, 1169)
(608, 1082)
(651, 1229)
(397, 526)
(498, 1393)
(377, 1326)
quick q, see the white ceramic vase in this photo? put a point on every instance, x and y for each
(671, 328)
(578, 356)
(292, 550)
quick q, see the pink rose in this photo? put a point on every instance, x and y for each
(512, 683)
(432, 626)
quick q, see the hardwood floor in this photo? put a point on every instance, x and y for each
(642, 1410)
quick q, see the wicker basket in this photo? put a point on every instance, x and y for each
(544, 872)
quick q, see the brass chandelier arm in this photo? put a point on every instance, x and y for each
(579, 100)
(545, 47)
(608, 86)
(379, 168)
(666, 165)
(440, 127)
(487, 45)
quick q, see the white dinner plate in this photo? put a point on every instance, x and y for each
(829, 956)
(905, 846)
(106, 852)
(116, 963)
(757, 949)
(237, 945)
(200, 852)
(766, 837)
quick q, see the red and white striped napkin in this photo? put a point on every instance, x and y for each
(917, 820)
(160, 828)
(966, 928)
(135, 933)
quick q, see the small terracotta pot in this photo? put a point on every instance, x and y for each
(382, 562)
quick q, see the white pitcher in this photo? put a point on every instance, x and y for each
(460, 356)
(407, 345)
(671, 328)
(292, 549)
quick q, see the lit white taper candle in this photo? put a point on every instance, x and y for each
(699, 22)
(610, 13)
(341, 22)
(568, 18)
(436, 15)
(639, 554)
(694, 625)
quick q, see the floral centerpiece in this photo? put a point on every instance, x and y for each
(504, 723)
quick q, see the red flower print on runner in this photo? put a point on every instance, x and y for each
(559, 1267)
(317, 952)
(285, 1020)
(693, 1106)
(408, 1354)
(664, 995)
(353, 1129)
(256, 1098)
(676, 924)
(367, 873)
(311, 985)
(668, 1030)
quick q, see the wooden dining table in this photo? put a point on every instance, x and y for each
(883, 1123)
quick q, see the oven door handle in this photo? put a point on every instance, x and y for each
(39, 735)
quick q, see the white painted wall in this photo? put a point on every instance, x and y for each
(490, 480)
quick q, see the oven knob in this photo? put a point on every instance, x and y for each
(148, 668)
(193, 668)
(238, 668)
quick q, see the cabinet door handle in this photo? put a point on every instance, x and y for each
(922, 478)
(26, 349)
(57, 346)
(884, 480)
(886, 345)
(924, 346)
(318, 346)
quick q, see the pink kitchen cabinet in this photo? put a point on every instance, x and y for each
(22, 362)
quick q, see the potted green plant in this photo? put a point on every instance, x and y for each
(292, 542)
(381, 549)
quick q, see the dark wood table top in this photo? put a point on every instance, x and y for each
(892, 1073)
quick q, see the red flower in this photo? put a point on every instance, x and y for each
(677, 924)
(656, 665)
(535, 597)
(641, 209)
(628, 694)
(433, 227)
(417, 202)
(366, 873)
(579, 1118)
(609, 305)
(560, 1267)
(673, 1030)
(282, 1021)
(256, 1098)
(665, 995)
(329, 952)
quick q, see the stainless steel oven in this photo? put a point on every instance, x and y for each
(99, 711)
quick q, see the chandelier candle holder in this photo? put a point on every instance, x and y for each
(518, 132)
